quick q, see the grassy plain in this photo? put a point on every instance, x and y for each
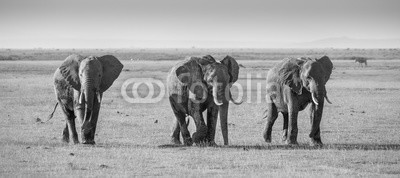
(360, 129)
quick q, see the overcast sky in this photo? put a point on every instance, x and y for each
(181, 23)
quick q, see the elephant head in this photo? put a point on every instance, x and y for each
(204, 74)
(207, 77)
(309, 74)
(220, 77)
(91, 76)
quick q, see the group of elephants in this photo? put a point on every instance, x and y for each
(195, 85)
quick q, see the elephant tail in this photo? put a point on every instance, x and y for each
(51, 115)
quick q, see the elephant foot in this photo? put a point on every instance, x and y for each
(65, 140)
(87, 137)
(267, 137)
(284, 139)
(199, 138)
(211, 143)
(175, 141)
(188, 141)
(284, 135)
(88, 142)
(65, 137)
(202, 144)
(291, 142)
(316, 142)
(76, 141)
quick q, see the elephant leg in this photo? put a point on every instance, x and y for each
(183, 127)
(176, 130)
(94, 119)
(70, 125)
(89, 126)
(201, 130)
(200, 135)
(315, 121)
(292, 130)
(65, 133)
(272, 114)
(212, 117)
(86, 132)
(80, 113)
(180, 124)
(285, 126)
(72, 129)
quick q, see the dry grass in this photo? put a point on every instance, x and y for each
(360, 129)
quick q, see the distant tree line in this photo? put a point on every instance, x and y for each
(15, 58)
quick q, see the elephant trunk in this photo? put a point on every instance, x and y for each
(223, 116)
(89, 92)
(201, 128)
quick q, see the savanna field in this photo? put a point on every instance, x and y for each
(360, 129)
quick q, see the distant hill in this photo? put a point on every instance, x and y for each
(345, 42)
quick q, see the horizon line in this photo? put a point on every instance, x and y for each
(188, 48)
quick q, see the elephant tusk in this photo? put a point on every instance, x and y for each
(187, 118)
(217, 102)
(313, 98)
(214, 94)
(81, 98)
(98, 96)
(327, 99)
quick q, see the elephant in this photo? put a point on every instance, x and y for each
(197, 84)
(360, 60)
(79, 84)
(291, 85)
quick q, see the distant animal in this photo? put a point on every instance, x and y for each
(291, 85)
(197, 84)
(79, 84)
(360, 60)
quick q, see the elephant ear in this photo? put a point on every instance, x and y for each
(112, 67)
(233, 68)
(327, 66)
(289, 74)
(69, 69)
(183, 73)
(189, 70)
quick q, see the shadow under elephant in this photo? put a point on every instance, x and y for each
(336, 146)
